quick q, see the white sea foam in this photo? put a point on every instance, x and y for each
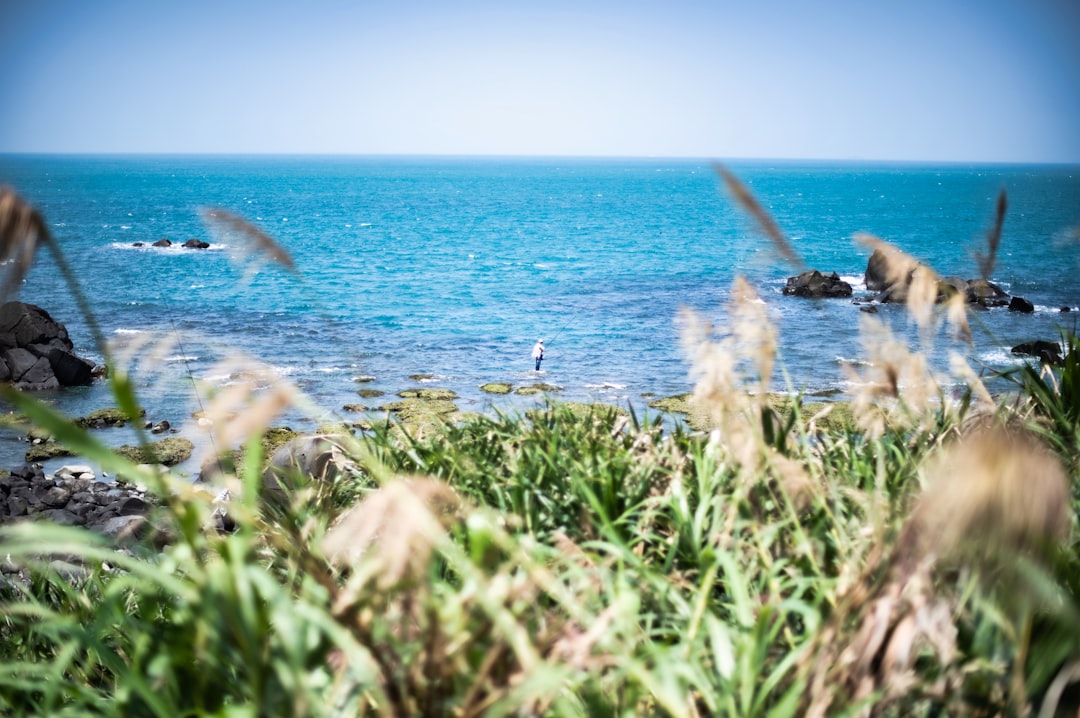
(129, 331)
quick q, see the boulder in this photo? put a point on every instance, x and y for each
(162, 243)
(1019, 304)
(314, 457)
(195, 244)
(35, 351)
(24, 324)
(877, 272)
(1047, 352)
(815, 285)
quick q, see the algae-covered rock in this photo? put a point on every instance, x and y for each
(102, 418)
(45, 450)
(369, 393)
(170, 451)
(355, 408)
(539, 388)
(414, 407)
(11, 420)
(429, 394)
(421, 377)
(497, 387)
(421, 417)
(678, 404)
(606, 413)
(363, 379)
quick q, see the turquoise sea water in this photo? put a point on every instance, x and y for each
(454, 267)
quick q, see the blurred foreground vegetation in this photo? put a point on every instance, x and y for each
(919, 558)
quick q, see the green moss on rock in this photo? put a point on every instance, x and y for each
(369, 393)
(429, 394)
(540, 388)
(102, 418)
(47, 450)
(497, 387)
(169, 451)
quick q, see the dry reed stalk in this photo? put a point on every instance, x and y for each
(21, 231)
(765, 221)
(256, 242)
(993, 239)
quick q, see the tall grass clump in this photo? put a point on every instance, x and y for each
(917, 560)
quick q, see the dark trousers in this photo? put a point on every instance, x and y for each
(538, 360)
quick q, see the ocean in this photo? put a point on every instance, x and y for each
(453, 267)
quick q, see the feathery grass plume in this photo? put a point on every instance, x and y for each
(246, 407)
(732, 386)
(256, 242)
(993, 239)
(897, 386)
(994, 497)
(21, 230)
(395, 527)
(765, 221)
(909, 280)
(996, 492)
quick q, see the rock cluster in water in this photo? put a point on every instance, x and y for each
(35, 351)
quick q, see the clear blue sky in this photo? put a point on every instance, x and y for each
(965, 80)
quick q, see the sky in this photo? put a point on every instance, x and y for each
(908, 80)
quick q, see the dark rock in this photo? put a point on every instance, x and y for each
(19, 362)
(951, 286)
(69, 369)
(137, 244)
(54, 497)
(815, 285)
(17, 506)
(1047, 352)
(24, 324)
(877, 272)
(1019, 304)
(986, 293)
(195, 244)
(162, 243)
(160, 427)
(28, 331)
(1066, 309)
(62, 517)
(131, 506)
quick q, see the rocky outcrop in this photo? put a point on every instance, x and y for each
(891, 275)
(195, 244)
(35, 351)
(1046, 352)
(162, 243)
(815, 285)
(74, 496)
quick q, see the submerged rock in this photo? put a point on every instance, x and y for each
(497, 387)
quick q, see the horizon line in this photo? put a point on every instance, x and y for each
(525, 156)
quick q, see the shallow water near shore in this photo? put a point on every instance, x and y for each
(454, 267)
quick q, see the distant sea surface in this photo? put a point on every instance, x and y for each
(454, 267)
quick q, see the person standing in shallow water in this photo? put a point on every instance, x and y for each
(538, 353)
